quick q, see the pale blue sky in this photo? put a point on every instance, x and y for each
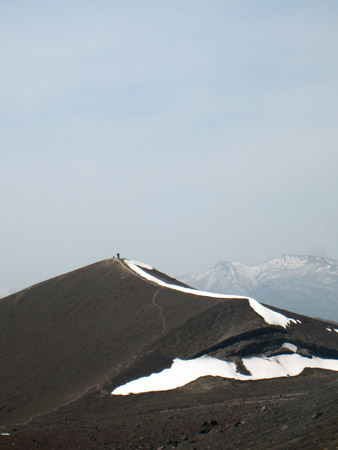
(179, 133)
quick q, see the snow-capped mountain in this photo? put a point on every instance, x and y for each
(304, 284)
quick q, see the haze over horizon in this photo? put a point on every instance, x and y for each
(175, 133)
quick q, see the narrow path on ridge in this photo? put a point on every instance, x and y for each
(160, 308)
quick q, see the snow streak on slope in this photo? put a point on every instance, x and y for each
(139, 264)
(270, 317)
(184, 372)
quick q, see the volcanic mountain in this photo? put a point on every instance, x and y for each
(69, 343)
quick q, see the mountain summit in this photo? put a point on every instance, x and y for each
(304, 284)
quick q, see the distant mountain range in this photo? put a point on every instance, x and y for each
(301, 283)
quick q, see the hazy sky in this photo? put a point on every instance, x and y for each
(179, 133)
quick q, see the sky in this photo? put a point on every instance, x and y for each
(179, 133)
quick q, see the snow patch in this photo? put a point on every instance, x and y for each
(183, 372)
(140, 264)
(328, 329)
(270, 317)
(180, 373)
(5, 434)
(336, 330)
(291, 347)
(286, 365)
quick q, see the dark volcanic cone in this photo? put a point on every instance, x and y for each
(103, 325)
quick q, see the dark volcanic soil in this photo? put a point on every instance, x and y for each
(68, 342)
(211, 413)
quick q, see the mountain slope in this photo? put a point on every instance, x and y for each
(101, 326)
(304, 284)
(78, 331)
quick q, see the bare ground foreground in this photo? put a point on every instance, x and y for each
(68, 342)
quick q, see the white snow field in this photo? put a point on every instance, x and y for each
(270, 317)
(183, 372)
